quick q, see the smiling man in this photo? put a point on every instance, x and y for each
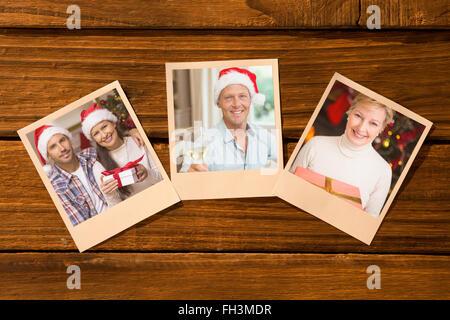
(234, 143)
(72, 175)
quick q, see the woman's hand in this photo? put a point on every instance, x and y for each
(137, 138)
(141, 173)
(108, 186)
(198, 168)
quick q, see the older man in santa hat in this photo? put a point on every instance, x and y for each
(234, 143)
(72, 175)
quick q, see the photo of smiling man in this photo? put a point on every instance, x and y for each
(233, 142)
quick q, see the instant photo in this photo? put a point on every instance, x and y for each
(224, 128)
(98, 166)
(352, 158)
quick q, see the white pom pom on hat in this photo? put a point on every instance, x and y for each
(240, 76)
(93, 115)
(48, 170)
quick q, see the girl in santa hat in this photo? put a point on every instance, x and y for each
(115, 150)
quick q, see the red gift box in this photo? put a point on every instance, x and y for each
(335, 187)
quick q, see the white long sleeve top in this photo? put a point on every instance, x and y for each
(129, 151)
(360, 166)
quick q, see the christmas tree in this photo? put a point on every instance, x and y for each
(114, 103)
(396, 143)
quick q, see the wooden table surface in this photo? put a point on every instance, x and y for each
(255, 248)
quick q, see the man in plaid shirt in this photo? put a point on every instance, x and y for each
(72, 175)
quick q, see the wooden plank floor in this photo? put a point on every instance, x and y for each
(409, 68)
(231, 14)
(222, 276)
(256, 248)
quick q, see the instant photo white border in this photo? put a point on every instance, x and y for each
(327, 207)
(124, 214)
(230, 183)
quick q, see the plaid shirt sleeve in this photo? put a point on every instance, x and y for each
(75, 215)
(74, 198)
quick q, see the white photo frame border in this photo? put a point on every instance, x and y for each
(121, 216)
(222, 184)
(335, 211)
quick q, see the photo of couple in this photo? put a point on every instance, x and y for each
(98, 144)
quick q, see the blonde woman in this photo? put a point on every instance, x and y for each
(350, 158)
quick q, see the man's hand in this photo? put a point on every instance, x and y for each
(134, 134)
(198, 168)
(108, 186)
(141, 173)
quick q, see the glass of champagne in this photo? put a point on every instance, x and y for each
(198, 154)
(200, 147)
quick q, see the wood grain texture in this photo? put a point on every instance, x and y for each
(184, 14)
(42, 71)
(222, 276)
(231, 14)
(417, 222)
(256, 248)
(408, 14)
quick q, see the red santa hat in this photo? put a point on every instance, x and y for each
(94, 115)
(41, 137)
(240, 76)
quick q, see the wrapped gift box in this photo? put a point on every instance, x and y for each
(335, 187)
(126, 175)
(125, 178)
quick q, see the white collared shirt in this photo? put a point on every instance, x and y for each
(223, 153)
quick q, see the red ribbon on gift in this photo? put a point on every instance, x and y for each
(115, 172)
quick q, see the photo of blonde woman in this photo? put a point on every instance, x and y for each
(350, 157)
